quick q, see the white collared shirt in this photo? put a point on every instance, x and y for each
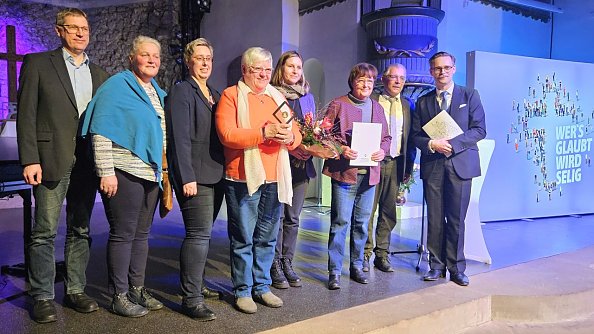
(450, 91)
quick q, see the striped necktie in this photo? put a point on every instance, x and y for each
(394, 150)
(444, 100)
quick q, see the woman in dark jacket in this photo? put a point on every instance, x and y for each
(195, 157)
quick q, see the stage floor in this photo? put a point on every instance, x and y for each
(510, 243)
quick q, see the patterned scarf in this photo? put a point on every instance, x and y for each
(292, 92)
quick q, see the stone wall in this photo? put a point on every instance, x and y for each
(34, 30)
(115, 27)
(112, 31)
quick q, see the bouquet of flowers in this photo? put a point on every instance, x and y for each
(405, 186)
(318, 136)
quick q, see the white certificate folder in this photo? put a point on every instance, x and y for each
(442, 126)
(366, 140)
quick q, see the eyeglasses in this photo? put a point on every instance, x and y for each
(364, 82)
(445, 69)
(394, 77)
(259, 70)
(201, 59)
(73, 29)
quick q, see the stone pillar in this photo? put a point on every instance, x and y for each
(405, 35)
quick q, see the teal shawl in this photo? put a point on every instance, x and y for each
(122, 112)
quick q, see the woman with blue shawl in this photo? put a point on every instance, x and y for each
(126, 122)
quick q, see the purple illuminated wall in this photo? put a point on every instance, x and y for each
(33, 31)
(113, 29)
(22, 48)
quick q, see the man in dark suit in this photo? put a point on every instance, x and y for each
(448, 166)
(395, 168)
(55, 88)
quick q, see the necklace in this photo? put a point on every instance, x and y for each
(205, 91)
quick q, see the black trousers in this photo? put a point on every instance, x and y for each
(447, 198)
(286, 242)
(130, 216)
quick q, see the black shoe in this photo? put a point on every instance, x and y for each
(44, 311)
(434, 275)
(366, 262)
(359, 276)
(279, 280)
(334, 282)
(121, 305)
(383, 263)
(459, 278)
(199, 312)
(292, 277)
(80, 302)
(139, 295)
(209, 293)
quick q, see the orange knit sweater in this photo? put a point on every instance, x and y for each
(236, 139)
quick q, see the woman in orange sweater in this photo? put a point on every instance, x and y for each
(256, 129)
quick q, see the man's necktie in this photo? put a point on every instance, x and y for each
(393, 127)
(444, 100)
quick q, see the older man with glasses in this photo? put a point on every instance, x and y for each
(395, 168)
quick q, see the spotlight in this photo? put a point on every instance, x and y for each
(203, 5)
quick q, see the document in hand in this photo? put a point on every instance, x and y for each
(365, 140)
(442, 126)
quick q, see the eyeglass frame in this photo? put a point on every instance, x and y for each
(258, 70)
(201, 59)
(69, 27)
(364, 81)
(394, 77)
(445, 69)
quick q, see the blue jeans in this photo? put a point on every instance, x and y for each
(253, 223)
(351, 204)
(78, 186)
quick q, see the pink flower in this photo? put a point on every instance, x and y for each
(326, 124)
